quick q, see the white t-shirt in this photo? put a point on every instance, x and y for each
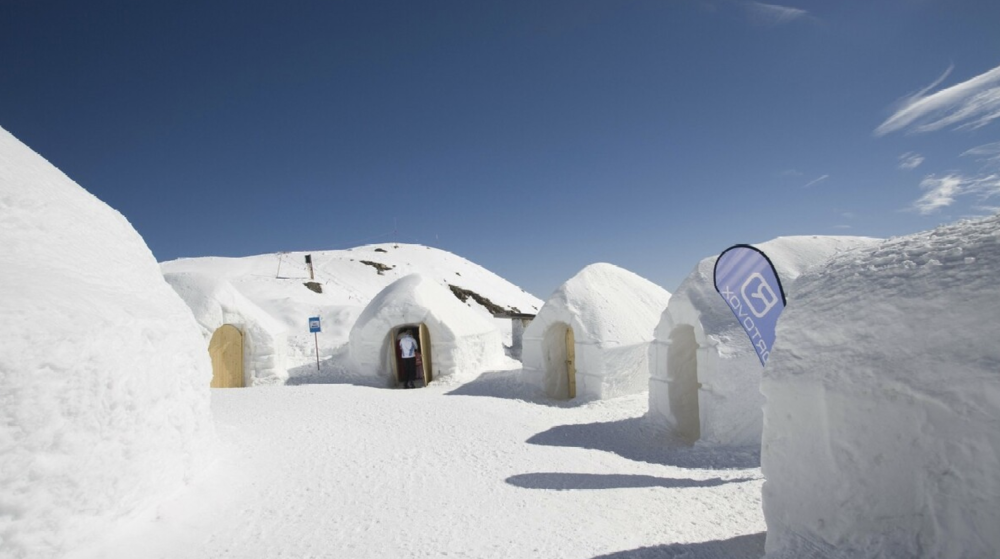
(408, 346)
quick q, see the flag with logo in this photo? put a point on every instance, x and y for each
(747, 281)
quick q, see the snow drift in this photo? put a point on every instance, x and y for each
(611, 314)
(103, 377)
(704, 374)
(881, 430)
(463, 343)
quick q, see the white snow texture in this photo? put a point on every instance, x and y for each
(612, 313)
(103, 378)
(882, 402)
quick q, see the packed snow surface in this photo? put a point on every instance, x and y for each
(882, 436)
(103, 405)
(483, 470)
(612, 313)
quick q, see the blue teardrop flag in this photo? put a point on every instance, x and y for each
(747, 281)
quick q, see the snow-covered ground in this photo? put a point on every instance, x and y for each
(482, 469)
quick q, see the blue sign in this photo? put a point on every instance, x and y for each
(747, 281)
(314, 324)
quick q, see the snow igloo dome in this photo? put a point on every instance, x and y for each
(216, 304)
(704, 373)
(591, 337)
(456, 343)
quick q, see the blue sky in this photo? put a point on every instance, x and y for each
(532, 137)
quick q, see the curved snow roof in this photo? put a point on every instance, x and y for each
(416, 298)
(943, 280)
(604, 304)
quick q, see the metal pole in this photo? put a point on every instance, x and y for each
(316, 336)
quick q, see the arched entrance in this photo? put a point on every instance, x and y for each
(424, 363)
(226, 350)
(559, 347)
(683, 385)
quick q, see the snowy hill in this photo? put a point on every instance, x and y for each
(343, 283)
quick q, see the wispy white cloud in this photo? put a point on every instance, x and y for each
(941, 192)
(815, 181)
(969, 105)
(843, 226)
(773, 14)
(988, 154)
(986, 210)
(909, 161)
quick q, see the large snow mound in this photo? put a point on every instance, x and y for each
(463, 343)
(612, 313)
(348, 280)
(705, 383)
(104, 400)
(882, 399)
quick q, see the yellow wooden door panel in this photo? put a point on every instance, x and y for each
(425, 353)
(226, 350)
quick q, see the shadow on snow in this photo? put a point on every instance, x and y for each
(510, 385)
(565, 481)
(333, 370)
(750, 546)
(639, 439)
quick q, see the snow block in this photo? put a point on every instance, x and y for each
(104, 398)
(881, 436)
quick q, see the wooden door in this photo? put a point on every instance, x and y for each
(425, 353)
(571, 362)
(226, 350)
(395, 355)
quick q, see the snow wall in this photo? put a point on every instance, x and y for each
(612, 313)
(214, 302)
(104, 398)
(463, 343)
(882, 414)
(704, 378)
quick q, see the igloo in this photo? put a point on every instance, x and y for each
(462, 343)
(103, 376)
(246, 344)
(882, 402)
(704, 375)
(590, 339)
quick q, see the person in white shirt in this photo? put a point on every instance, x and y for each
(408, 350)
